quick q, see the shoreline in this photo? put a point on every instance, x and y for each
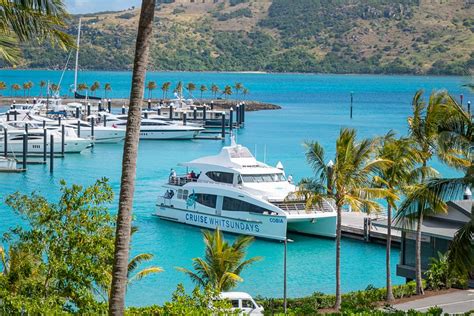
(220, 104)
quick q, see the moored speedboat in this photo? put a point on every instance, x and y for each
(239, 194)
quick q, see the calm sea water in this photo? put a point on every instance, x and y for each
(315, 107)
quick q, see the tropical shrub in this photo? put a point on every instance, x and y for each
(440, 274)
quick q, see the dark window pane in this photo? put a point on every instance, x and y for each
(209, 200)
(222, 177)
(231, 204)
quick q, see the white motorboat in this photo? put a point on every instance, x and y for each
(7, 164)
(241, 195)
(154, 129)
(102, 134)
(35, 139)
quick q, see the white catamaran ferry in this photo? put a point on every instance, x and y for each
(238, 194)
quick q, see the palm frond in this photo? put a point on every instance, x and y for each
(143, 273)
(135, 262)
(461, 249)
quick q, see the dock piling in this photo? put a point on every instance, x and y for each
(123, 109)
(78, 128)
(204, 114)
(109, 105)
(194, 113)
(15, 115)
(8, 116)
(184, 118)
(469, 107)
(5, 142)
(242, 117)
(105, 121)
(44, 124)
(77, 113)
(231, 119)
(149, 104)
(45, 144)
(367, 223)
(212, 105)
(92, 127)
(171, 112)
(89, 109)
(158, 110)
(99, 107)
(223, 125)
(25, 149)
(62, 140)
(59, 120)
(51, 153)
(237, 115)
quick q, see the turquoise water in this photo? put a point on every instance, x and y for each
(314, 108)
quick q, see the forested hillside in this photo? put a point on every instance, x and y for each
(344, 36)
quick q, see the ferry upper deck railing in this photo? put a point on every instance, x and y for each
(180, 180)
(300, 207)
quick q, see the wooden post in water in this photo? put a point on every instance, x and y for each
(89, 108)
(158, 110)
(99, 107)
(26, 128)
(171, 112)
(14, 115)
(185, 117)
(145, 115)
(25, 149)
(5, 142)
(44, 124)
(204, 114)
(223, 125)
(109, 105)
(194, 113)
(77, 113)
(62, 140)
(45, 144)
(462, 98)
(242, 117)
(231, 119)
(237, 115)
(149, 104)
(78, 128)
(352, 101)
(8, 116)
(469, 107)
(212, 105)
(59, 120)
(92, 127)
(123, 109)
(51, 153)
(105, 120)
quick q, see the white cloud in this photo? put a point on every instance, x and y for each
(88, 6)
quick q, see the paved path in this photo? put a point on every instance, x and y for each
(453, 303)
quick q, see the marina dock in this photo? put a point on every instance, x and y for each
(359, 226)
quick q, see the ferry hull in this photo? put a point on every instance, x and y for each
(320, 226)
(268, 227)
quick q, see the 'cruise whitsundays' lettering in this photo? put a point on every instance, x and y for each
(226, 223)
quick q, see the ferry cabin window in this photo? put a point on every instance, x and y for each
(222, 177)
(182, 194)
(276, 177)
(231, 204)
(209, 200)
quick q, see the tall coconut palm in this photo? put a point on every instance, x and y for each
(15, 87)
(347, 181)
(423, 127)
(245, 92)
(25, 88)
(34, 20)
(396, 178)
(190, 87)
(238, 87)
(42, 85)
(223, 262)
(151, 85)
(107, 88)
(129, 160)
(215, 90)
(82, 87)
(202, 88)
(227, 91)
(165, 88)
(94, 87)
(3, 85)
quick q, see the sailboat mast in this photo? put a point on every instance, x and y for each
(77, 55)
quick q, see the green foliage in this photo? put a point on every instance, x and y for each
(63, 254)
(441, 275)
(244, 12)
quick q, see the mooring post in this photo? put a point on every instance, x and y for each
(231, 119)
(149, 104)
(59, 120)
(462, 98)
(242, 119)
(25, 149)
(171, 112)
(237, 115)
(158, 110)
(44, 124)
(45, 144)
(5, 142)
(223, 125)
(62, 140)
(204, 114)
(26, 128)
(123, 109)
(78, 128)
(109, 105)
(77, 113)
(367, 223)
(145, 115)
(34, 100)
(105, 120)
(185, 118)
(89, 108)
(51, 153)
(469, 107)
(99, 107)
(92, 127)
(212, 105)
(14, 116)
(194, 113)
(8, 116)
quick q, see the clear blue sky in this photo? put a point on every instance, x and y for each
(88, 6)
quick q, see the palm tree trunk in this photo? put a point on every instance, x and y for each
(418, 277)
(129, 161)
(337, 305)
(390, 297)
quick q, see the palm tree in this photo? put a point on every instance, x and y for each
(3, 86)
(424, 132)
(238, 86)
(25, 87)
(54, 87)
(42, 85)
(223, 263)
(165, 88)
(30, 85)
(94, 87)
(347, 181)
(151, 85)
(107, 87)
(227, 91)
(215, 90)
(245, 92)
(398, 175)
(129, 160)
(37, 20)
(190, 87)
(82, 87)
(15, 87)
(202, 88)
(179, 89)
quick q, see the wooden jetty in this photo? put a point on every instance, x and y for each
(359, 226)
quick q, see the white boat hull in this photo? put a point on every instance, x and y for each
(167, 134)
(323, 225)
(37, 147)
(104, 136)
(264, 226)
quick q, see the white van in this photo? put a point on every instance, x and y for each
(243, 302)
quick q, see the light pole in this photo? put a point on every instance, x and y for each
(284, 273)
